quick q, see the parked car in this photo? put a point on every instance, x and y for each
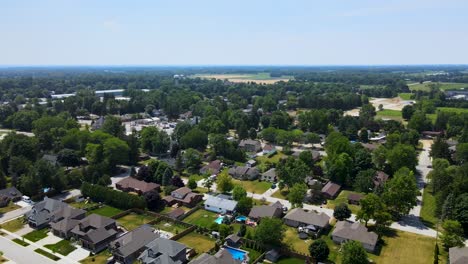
(273, 186)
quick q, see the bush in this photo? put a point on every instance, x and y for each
(111, 197)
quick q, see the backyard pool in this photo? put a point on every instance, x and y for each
(237, 253)
(241, 218)
(219, 220)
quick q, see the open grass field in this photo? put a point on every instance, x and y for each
(443, 86)
(406, 248)
(343, 198)
(201, 218)
(405, 96)
(63, 247)
(100, 258)
(36, 235)
(106, 210)
(10, 207)
(13, 225)
(428, 208)
(169, 227)
(256, 186)
(46, 254)
(389, 113)
(433, 117)
(132, 221)
(242, 78)
(199, 242)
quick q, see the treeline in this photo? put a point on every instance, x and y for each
(121, 200)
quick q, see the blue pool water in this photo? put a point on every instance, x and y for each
(237, 254)
(241, 218)
(219, 220)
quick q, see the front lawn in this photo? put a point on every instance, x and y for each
(132, 221)
(428, 208)
(281, 194)
(256, 186)
(36, 235)
(20, 242)
(62, 247)
(197, 241)
(202, 218)
(100, 258)
(106, 210)
(170, 227)
(406, 248)
(47, 254)
(343, 198)
(10, 207)
(13, 225)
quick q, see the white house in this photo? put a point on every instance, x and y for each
(220, 205)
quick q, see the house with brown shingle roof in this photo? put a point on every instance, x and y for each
(214, 167)
(298, 217)
(331, 190)
(261, 211)
(131, 184)
(183, 196)
(380, 178)
(345, 231)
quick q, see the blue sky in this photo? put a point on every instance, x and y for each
(212, 32)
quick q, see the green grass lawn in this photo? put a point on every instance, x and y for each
(292, 240)
(389, 112)
(10, 207)
(169, 227)
(47, 254)
(199, 242)
(20, 242)
(286, 260)
(253, 254)
(406, 248)
(443, 86)
(428, 208)
(13, 225)
(281, 194)
(273, 159)
(343, 198)
(433, 117)
(405, 96)
(201, 218)
(62, 247)
(132, 221)
(256, 186)
(100, 258)
(83, 204)
(106, 210)
(36, 235)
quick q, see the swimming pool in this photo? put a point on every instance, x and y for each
(237, 253)
(241, 218)
(219, 220)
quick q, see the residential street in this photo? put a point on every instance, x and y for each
(18, 254)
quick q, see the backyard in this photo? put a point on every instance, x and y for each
(170, 227)
(62, 247)
(106, 210)
(100, 258)
(291, 239)
(201, 217)
(343, 198)
(132, 220)
(197, 241)
(83, 204)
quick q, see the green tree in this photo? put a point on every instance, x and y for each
(192, 183)
(319, 250)
(440, 150)
(354, 253)
(407, 112)
(342, 212)
(115, 151)
(224, 183)
(244, 205)
(292, 171)
(113, 125)
(364, 181)
(270, 231)
(339, 168)
(297, 194)
(194, 138)
(419, 122)
(400, 192)
(238, 193)
(452, 234)
(94, 153)
(192, 159)
(371, 205)
(154, 141)
(402, 156)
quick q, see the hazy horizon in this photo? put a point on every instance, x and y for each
(235, 33)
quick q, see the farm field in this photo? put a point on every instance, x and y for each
(243, 78)
(443, 86)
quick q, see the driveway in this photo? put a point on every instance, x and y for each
(14, 214)
(79, 254)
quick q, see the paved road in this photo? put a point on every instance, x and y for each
(20, 255)
(424, 160)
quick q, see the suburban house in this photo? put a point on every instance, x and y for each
(345, 231)
(43, 212)
(128, 247)
(312, 221)
(219, 204)
(250, 145)
(176, 213)
(355, 198)
(213, 168)
(11, 193)
(183, 196)
(130, 184)
(269, 149)
(162, 250)
(221, 257)
(331, 190)
(95, 232)
(233, 241)
(458, 255)
(272, 255)
(244, 173)
(380, 178)
(261, 211)
(269, 175)
(65, 219)
(251, 163)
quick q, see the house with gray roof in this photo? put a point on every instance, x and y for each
(250, 145)
(221, 257)
(65, 219)
(261, 211)
(42, 212)
(213, 168)
(95, 232)
(244, 172)
(164, 251)
(11, 193)
(270, 175)
(220, 205)
(314, 222)
(458, 255)
(345, 231)
(129, 246)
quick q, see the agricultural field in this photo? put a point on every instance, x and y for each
(443, 86)
(244, 78)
